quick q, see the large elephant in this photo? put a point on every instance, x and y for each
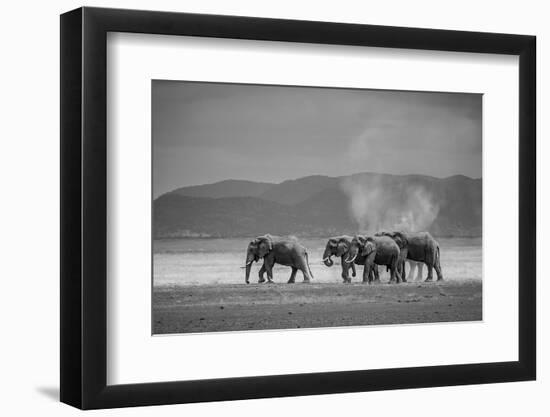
(339, 246)
(419, 247)
(273, 249)
(377, 250)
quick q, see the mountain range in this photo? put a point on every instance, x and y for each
(322, 206)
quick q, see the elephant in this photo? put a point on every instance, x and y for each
(419, 247)
(377, 250)
(273, 249)
(339, 246)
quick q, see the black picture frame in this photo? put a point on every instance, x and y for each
(84, 207)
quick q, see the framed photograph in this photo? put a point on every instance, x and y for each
(257, 208)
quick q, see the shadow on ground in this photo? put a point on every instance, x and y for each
(50, 392)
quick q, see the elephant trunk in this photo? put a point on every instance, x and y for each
(326, 257)
(248, 266)
(352, 254)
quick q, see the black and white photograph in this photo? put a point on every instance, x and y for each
(269, 209)
(288, 207)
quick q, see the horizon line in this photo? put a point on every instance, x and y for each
(317, 175)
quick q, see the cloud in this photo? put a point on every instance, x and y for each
(204, 132)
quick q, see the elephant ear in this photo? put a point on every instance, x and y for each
(400, 239)
(253, 245)
(369, 247)
(265, 245)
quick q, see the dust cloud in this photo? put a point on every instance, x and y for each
(378, 204)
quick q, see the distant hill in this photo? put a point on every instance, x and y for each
(227, 188)
(296, 191)
(181, 216)
(322, 206)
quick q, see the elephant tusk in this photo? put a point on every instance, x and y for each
(243, 267)
(351, 260)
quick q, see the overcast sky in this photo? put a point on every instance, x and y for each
(208, 132)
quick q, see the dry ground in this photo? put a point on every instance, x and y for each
(212, 308)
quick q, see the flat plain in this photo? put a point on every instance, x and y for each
(238, 307)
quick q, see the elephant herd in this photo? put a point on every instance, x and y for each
(390, 249)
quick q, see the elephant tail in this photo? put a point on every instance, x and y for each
(437, 257)
(308, 268)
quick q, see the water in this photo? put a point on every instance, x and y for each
(211, 261)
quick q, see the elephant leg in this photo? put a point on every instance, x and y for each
(430, 273)
(367, 270)
(345, 273)
(269, 270)
(261, 274)
(395, 276)
(345, 270)
(438, 271)
(392, 275)
(303, 266)
(401, 270)
(397, 272)
(394, 271)
(420, 267)
(292, 278)
(376, 274)
(305, 273)
(371, 275)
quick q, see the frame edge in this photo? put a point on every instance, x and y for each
(70, 208)
(527, 136)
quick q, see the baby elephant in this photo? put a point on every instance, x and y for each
(273, 249)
